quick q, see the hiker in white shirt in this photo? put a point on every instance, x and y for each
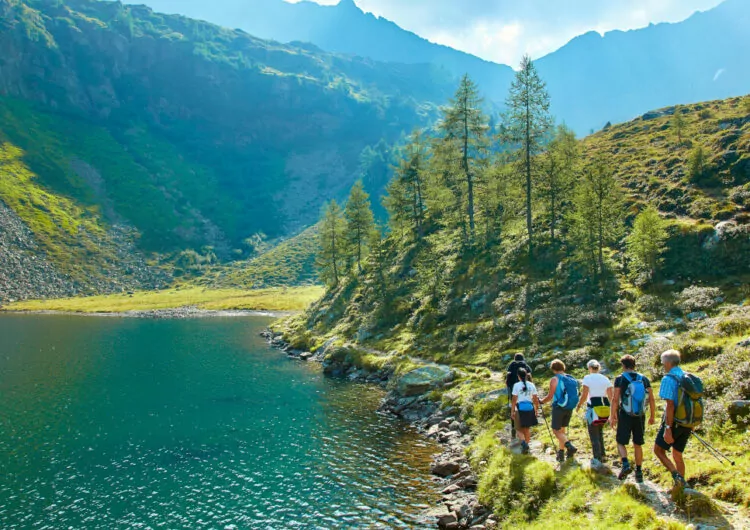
(524, 405)
(597, 394)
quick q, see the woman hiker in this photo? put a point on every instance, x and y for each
(525, 403)
(597, 394)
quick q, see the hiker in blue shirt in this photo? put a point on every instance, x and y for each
(672, 436)
(564, 400)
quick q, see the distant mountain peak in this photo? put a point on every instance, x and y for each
(348, 4)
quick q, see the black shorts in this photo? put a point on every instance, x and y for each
(560, 418)
(628, 425)
(681, 436)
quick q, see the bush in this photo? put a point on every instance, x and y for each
(698, 299)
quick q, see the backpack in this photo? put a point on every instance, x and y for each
(600, 408)
(688, 411)
(634, 398)
(566, 393)
(511, 376)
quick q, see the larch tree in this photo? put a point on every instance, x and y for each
(678, 124)
(527, 123)
(465, 132)
(360, 222)
(331, 244)
(599, 214)
(648, 241)
(557, 178)
(405, 201)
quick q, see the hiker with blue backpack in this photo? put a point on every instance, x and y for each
(597, 394)
(563, 393)
(628, 415)
(683, 394)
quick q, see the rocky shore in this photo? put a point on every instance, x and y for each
(408, 398)
(175, 313)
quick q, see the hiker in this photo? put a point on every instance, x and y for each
(597, 394)
(628, 415)
(511, 378)
(675, 429)
(563, 393)
(525, 403)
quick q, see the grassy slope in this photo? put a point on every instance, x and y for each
(292, 299)
(478, 323)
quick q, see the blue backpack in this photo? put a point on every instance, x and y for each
(634, 398)
(566, 393)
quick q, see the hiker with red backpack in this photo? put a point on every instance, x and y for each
(683, 394)
(597, 394)
(628, 415)
(563, 393)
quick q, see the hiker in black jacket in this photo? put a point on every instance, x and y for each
(511, 378)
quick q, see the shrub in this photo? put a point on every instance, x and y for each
(698, 298)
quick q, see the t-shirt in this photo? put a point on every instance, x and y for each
(623, 384)
(511, 376)
(524, 395)
(598, 385)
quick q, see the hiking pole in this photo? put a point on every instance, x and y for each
(552, 439)
(711, 449)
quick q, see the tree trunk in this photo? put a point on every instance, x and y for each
(469, 182)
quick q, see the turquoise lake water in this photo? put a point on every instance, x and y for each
(130, 423)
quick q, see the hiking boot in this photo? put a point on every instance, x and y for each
(572, 450)
(595, 463)
(524, 448)
(561, 456)
(625, 471)
(639, 475)
(679, 481)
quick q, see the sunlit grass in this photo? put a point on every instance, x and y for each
(277, 299)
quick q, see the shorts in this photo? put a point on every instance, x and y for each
(628, 425)
(525, 419)
(560, 418)
(681, 436)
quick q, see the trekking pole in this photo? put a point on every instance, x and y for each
(714, 452)
(552, 439)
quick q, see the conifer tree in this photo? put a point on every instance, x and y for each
(558, 176)
(527, 122)
(331, 244)
(359, 223)
(405, 202)
(465, 136)
(647, 242)
(598, 216)
(678, 124)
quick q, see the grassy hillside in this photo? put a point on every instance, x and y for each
(473, 306)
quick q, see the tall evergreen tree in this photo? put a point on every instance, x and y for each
(359, 223)
(598, 217)
(560, 166)
(465, 130)
(331, 244)
(678, 124)
(405, 202)
(527, 122)
(648, 241)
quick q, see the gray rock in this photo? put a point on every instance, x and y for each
(447, 521)
(445, 468)
(423, 379)
(739, 409)
(745, 343)
(697, 315)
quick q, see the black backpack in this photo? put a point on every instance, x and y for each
(511, 376)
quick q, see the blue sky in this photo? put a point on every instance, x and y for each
(503, 30)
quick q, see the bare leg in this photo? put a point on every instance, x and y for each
(661, 454)
(679, 462)
(638, 450)
(622, 450)
(527, 435)
(562, 439)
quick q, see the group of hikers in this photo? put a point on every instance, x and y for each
(625, 405)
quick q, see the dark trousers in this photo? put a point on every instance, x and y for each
(596, 433)
(510, 410)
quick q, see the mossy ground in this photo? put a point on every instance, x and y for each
(279, 299)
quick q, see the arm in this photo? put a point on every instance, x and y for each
(610, 392)
(668, 436)
(652, 406)
(537, 405)
(614, 407)
(513, 404)
(552, 388)
(584, 397)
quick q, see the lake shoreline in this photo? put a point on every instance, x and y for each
(459, 506)
(171, 313)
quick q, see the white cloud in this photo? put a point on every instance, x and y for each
(718, 73)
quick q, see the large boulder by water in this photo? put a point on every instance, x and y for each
(423, 379)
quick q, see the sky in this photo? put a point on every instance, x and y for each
(503, 30)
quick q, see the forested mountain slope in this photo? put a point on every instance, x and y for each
(186, 134)
(593, 78)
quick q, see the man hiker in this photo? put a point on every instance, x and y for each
(672, 436)
(511, 378)
(628, 415)
(563, 393)
(597, 394)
